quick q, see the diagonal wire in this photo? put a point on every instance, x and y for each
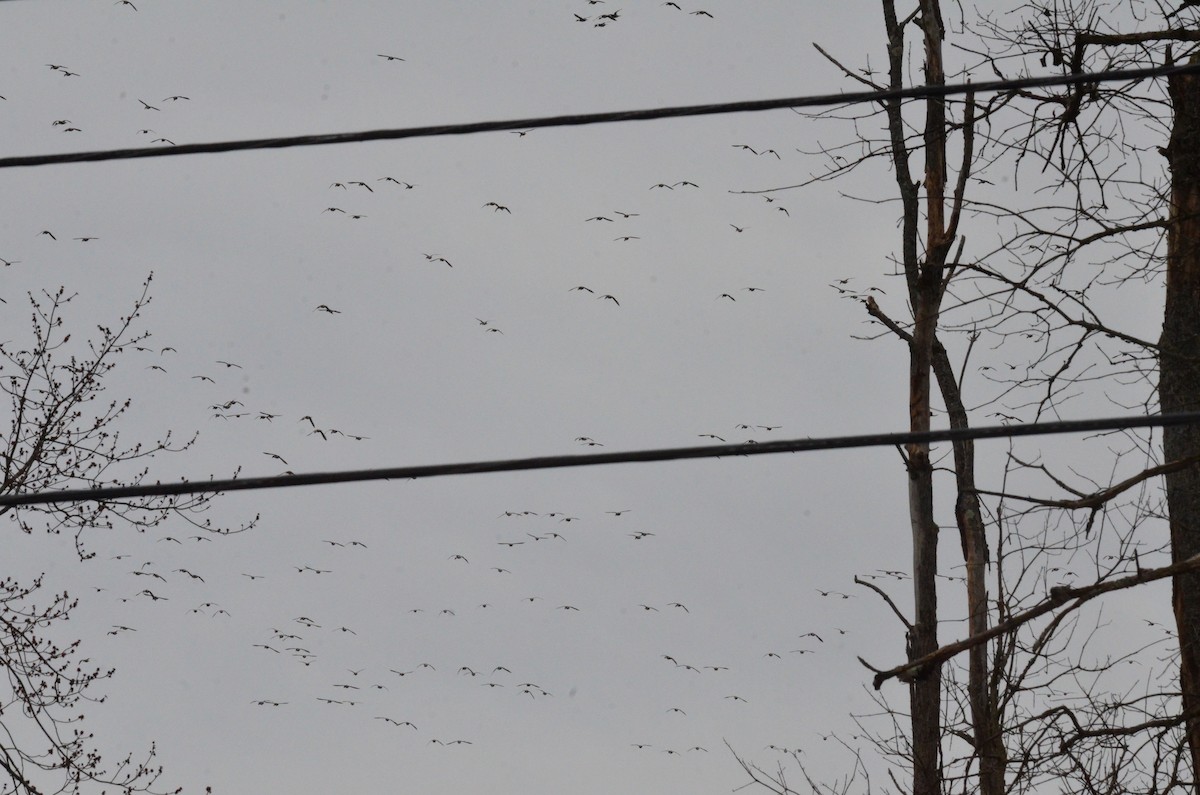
(594, 459)
(812, 101)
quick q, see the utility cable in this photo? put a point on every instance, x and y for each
(594, 459)
(812, 101)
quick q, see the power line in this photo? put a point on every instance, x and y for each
(812, 101)
(595, 459)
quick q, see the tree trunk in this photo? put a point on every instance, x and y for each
(1179, 384)
(923, 276)
(981, 686)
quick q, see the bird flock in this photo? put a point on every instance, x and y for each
(344, 672)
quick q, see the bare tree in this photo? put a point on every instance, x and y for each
(1047, 697)
(62, 433)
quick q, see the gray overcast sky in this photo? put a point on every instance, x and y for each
(243, 253)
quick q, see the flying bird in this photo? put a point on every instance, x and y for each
(147, 105)
(325, 308)
(390, 57)
(609, 298)
(498, 207)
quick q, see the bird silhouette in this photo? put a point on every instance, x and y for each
(147, 105)
(390, 57)
(498, 207)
